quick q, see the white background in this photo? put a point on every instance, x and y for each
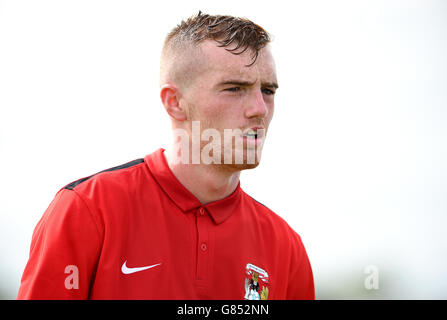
(356, 156)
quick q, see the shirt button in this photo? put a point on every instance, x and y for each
(201, 211)
(203, 246)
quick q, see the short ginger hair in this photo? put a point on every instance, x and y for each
(240, 34)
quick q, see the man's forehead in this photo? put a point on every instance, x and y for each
(226, 64)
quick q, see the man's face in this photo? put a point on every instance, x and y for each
(229, 95)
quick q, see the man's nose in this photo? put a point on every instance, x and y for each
(256, 107)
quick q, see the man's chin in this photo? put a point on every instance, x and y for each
(242, 166)
(244, 161)
(236, 160)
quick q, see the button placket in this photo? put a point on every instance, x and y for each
(203, 244)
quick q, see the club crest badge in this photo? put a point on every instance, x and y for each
(256, 283)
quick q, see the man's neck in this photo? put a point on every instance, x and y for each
(207, 183)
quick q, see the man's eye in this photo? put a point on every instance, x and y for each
(233, 89)
(268, 91)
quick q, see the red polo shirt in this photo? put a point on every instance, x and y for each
(135, 232)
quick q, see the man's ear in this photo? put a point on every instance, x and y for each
(170, 97)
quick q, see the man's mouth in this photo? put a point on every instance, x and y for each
(254, 133)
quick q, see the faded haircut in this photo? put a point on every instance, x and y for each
(241, 33)
(225, 30)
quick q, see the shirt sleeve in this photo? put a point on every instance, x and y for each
(302, 281)
(64, 252)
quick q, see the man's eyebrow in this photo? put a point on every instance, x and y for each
(237, 83)
(270, 85)
(247, 83)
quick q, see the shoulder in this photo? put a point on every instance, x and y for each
(103, 194)
(271, 222)
(112, 188)
(120, 175)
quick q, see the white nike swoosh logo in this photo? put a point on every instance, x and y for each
(126, 270)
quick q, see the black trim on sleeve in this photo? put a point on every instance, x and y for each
(73, 184)
(259, 202)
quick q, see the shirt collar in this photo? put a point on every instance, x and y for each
(219, 210)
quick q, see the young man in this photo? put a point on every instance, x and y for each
(176, 224)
